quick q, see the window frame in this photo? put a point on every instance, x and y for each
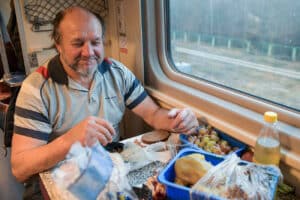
(237, 114)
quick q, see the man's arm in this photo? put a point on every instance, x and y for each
(30, 156)
(175, 120)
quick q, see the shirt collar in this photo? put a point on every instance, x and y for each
(59, 75)
(104, 66)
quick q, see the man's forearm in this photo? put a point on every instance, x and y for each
(154, 115)
(160, 120)
(175, 120)
(33, 161)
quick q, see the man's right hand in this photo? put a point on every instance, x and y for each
(91, 129)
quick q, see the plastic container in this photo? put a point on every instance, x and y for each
(267, 147)
(167, 175)
(231, 141)
(178, 192)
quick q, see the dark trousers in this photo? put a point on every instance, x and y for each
(32, 189)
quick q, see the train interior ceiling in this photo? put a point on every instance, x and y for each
(227, 77)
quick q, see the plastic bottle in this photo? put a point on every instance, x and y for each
(267, 147)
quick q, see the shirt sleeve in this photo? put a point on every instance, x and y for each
(134, 92)
(30, 118)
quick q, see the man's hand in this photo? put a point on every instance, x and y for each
(175, 120)
(91, 129)
(184, 121)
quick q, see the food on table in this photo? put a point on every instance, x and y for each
(286, 192)
(231, 179)
(209, 140)
(155, 136)
(247, 155)
(142, 192)
(189, 169)
(158, 189)
(139, 142)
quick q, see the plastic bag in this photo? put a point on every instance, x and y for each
(174, 145)
(90, 173)
(234, 179)
(134, 156)
(159, 152)
(118, 186)
(137, 157)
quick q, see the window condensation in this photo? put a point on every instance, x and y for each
(252, 46)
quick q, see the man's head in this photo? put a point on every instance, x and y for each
(78, 35)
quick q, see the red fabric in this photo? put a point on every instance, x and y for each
(107, 60)
(44, 71)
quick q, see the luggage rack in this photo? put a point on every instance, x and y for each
(40, 13)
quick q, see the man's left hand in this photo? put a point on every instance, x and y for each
(184, 121)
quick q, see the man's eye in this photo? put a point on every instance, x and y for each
(95, 43)
(77, 44)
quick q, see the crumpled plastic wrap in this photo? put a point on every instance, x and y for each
(91, 173)
(136, 157)
(118, 186)
(234, 179)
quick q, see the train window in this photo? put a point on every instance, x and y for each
(251, 47)
(230, 61)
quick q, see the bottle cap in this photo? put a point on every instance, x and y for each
(270, 117)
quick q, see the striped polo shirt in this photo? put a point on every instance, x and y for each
(50, 102)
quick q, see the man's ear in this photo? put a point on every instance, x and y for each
(58, 47)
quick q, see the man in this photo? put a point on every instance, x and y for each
(79, 96)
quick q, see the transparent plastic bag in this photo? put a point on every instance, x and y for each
(137, 157)
(90, 173)
(134, 156)
(159, 152)
(118, 186)
(235, 179)
(174, 145)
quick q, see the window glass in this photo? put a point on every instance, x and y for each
(252, 46)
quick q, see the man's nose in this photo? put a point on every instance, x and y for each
(87, 50)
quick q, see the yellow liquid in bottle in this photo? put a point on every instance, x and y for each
(267, 151)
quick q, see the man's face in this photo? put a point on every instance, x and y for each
(81, 44)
